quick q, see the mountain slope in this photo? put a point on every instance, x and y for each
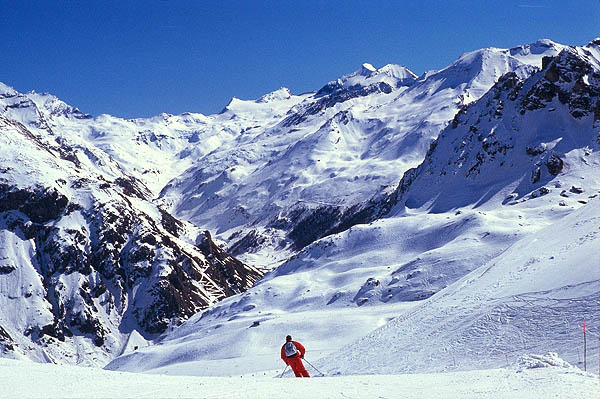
(105, 218)
(521, 135)
(532, 298)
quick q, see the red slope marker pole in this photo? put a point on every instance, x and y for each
(584, 349)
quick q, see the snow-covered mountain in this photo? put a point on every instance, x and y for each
(505, 197)
(365, 198)
(282, 184)
(86, 258)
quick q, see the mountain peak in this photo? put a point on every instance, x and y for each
(595, 42)
(537, 48)
(6, 90)
(399, 72)
(366, 69)
(544, 43)
(280, 94)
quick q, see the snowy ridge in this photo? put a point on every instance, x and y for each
(350, 141)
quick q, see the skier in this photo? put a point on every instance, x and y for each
(292, 353)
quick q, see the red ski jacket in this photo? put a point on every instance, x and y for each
(300, 348)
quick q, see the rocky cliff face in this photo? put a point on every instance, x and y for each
(86, 258)
(516, 140)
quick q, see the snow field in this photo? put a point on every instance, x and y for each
(230, 346)
(237, 171)
(61, 381)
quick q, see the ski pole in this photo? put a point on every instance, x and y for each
(314, 367)
(283, 372)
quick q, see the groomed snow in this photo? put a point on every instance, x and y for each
(60, 381)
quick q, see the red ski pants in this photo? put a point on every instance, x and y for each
(297, 366)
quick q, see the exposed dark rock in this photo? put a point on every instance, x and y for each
(39, 204)
(313, 224)
(169, 223)
(149, 239)
(6, 340)
(233, 275)
(576, 190)
(539, 96)
(563, 78)
(141, 253)
(54, 330)
(98, 289)
(87, 324)
(64, 250)
(540, 192)
(554, 164)
(7, 269)
(66, 151)
(432, 147)
(537, 150)
(84, 182)
(249, 242)
(546, 60)
(508, 82)
(331, 95)
(133, 187)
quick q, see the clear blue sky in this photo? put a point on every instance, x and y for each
(139, 58)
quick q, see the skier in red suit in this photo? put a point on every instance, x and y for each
(292, 353)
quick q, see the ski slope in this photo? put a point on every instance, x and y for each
(61, 381)
(532, 298)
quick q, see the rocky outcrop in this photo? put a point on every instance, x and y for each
(331, 95)
(6, 342)
(126, 265)
(39, 204)
(569, 78)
